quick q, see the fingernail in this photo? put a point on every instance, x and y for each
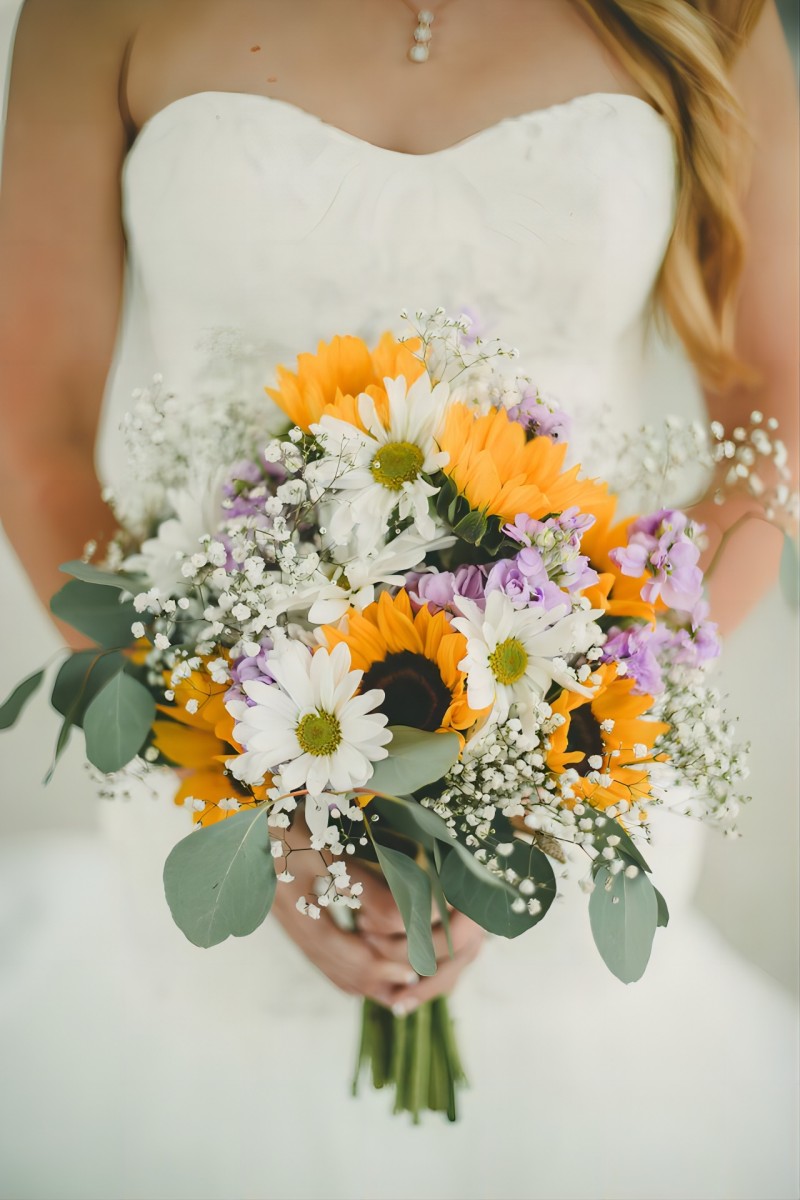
(412, 977)
(398, 1010)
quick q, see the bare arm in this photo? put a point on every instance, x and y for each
(61, 264)
(769, 309)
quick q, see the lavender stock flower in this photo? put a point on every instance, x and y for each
(538, 419)
(663, 546)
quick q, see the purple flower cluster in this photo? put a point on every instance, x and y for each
(438, 589)
(551, 551)
(663, 546)
(250, 667)
(247, 486)
(646, 651)
(547, 569)
(537, 419)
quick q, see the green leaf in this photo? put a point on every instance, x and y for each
(89, 574)
(408, 817)
(61, 745)
(471, 528)
(13, 706)
(416, 758)
(663, 911)
(440, 900)
(117, 722)
(487, 898)
(790, 572)
(411, 889)
(624, 915)
(613, 829)
(220, 880)
(95, 611)
(80, 678)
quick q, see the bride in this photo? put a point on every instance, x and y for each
(289, 172)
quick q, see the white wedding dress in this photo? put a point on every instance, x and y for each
(256, 229)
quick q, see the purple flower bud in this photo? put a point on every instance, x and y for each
(250, 667)
(505, 576)
(538, 420)
(434, 588)
(637, 648)
(470, 582)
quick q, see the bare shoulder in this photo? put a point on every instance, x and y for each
(69, 56)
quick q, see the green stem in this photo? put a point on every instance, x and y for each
(416, 1054)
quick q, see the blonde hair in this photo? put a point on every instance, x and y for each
(680, 52)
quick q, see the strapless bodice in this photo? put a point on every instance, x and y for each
(255, 229)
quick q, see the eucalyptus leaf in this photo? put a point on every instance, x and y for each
(117, 722)
(409, 817)
(416, 758)
(624, 915)
(13, 706)
(624, 842)
(89, 574)
(488, 898)
(80, 678)
(440, 900)
(64, 734)
(220, 880)
(663, 911)
(95, 611)
(790, 571)
(411, 889)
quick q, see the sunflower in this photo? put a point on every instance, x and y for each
(201, 742)
(501, 473)
(413, 658)
(626, 746)
(341, 370)
(617, 594)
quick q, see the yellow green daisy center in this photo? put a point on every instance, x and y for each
(319, 733)
(397, 463)
(508, 661)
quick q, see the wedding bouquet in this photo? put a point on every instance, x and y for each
(412, 622)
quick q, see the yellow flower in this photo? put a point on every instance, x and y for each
(201, 743)
(413, 658)
(583, 736)
(502, 473)
(341, 369)
(617, 594)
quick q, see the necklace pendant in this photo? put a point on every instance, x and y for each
(420, 51)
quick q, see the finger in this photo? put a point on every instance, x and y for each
(406, 999)
(463, 932)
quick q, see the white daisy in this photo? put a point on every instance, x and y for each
(310, 723)
(380, 468)
(513, 655)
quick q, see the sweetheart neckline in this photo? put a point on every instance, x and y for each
(462, 144)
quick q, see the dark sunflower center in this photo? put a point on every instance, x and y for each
(415, 693)
(584, 735)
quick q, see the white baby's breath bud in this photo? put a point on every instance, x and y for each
(137, 629)
(192, 706)
(161, 641)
